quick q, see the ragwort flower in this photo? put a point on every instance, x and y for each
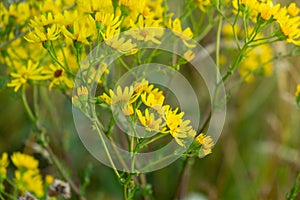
(30, 72)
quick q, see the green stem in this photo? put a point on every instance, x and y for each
(26, 106)
(218, 38)
(105, 147)
(152, 140)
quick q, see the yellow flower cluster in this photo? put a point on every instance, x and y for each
(286, 17)
(155, 116)
(28, 180)
(64, 27)
(27, 175)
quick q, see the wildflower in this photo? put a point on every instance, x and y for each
(293, 10)
(141, 86)
(151, 99)
(3, 165)
(43, 20)
(202, 4)
(109, 19)
(290, 29)
(111, 38)
(267, 11)
(21, 160)
(189, 55)
(177, 127)
(81, 98)
(31, 72)
(49, 179)
(206, 143)
(149, 120)
(298, 90)
(29, 180)
(41, 34)
(185, 34)
(146, 30)
(81, 30)
(57, 75)
(59, 187)
(125, 99)
(91, 6)
(125, 96)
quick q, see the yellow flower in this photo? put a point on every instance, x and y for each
(297, 90)
(290, 29)
(58, 77)
(30, 181)
(206, 142)
(81, 30)
(189, 55)
(267, 11)
(30, 72)
(3, 165)
(43, 20)
(49, 179)
(41, 34)
(185, 34)
(293, 10)
(149, 121)
(21, 160)
(123, 98)
(202, 4)
(142, 29)
(177, 127)
(81, 97)
(91, 6)
(111, 38)
(152, 100)
(109, 19)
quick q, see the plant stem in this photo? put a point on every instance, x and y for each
(184, 178)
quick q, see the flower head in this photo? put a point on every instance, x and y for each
(206, 143)
(148, 120)
(21, 160)
(30, 72)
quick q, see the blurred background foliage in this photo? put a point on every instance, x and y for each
(256, 157)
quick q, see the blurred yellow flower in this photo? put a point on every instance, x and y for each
(49, 179)
(21, 160)
(297, 90)
(202, 4)
(30, 180)
(3, 165)
(293, 10)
